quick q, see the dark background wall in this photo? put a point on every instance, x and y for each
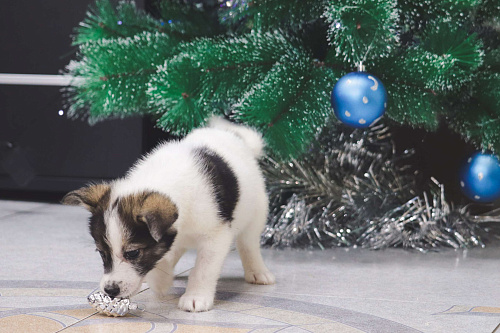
(42, 153)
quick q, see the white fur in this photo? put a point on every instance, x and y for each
(253, 139)
(172, 169)
(122, 270)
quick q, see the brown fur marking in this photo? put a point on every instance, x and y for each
(156, 210)
(147, 217)
(93, 197)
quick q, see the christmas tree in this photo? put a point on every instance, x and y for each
(272, 64)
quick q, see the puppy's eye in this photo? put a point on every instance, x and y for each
(132, 254)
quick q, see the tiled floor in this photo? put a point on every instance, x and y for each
(48, 266)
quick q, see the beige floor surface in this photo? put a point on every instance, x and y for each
(48, 266)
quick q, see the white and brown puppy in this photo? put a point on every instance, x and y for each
(201, 192)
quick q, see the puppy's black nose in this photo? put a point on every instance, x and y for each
(112, 290)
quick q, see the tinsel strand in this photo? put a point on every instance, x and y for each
(351, 189)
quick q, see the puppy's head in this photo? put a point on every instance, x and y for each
(131, 233)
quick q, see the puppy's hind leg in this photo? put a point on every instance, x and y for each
(161, 278)
(248, 244)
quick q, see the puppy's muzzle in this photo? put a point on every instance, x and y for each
(112, 290)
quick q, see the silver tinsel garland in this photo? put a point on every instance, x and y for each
(352, 190)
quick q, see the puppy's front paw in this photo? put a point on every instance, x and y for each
(196, 303)
(160, 292)
(263, 277)
(159, 283)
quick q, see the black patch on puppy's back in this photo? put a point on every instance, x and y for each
(222, 179)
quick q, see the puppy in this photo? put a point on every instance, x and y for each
(202, 192)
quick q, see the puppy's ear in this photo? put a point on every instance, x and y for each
(91, 197)
(159, 213)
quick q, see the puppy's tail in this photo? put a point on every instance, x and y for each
(251, 137)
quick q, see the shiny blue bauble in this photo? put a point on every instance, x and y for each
(480, 177)
(359, 99)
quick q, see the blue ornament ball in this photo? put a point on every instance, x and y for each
(480, 177)
(359, 99)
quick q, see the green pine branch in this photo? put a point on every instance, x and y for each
(361, 30)
(208, 76)
(412, 105)
(268, 15)
(104, 21)
(187, 20)
(290, 105)
(477, 116)
(439, 61)
(108, 87)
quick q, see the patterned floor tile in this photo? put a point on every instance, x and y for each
(29, 324)
(44, 281)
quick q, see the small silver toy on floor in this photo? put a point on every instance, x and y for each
(115, 307)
